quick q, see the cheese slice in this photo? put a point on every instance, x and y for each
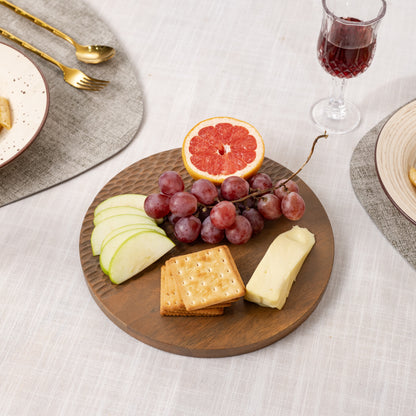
(272, 280)
(5, 116)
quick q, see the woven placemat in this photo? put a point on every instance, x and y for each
(397, 229)
(83, 128)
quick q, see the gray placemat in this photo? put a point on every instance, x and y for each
(398, 230)
(83, 128)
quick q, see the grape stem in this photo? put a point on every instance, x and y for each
(307, 160)
(265, 191)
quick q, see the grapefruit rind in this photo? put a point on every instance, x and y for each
(249, 170)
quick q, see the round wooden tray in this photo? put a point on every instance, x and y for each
(245, 326)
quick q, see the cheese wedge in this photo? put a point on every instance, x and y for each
(272, 280)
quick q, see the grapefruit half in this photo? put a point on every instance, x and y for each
(220, 147)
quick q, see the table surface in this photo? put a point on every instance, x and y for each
(356, 353)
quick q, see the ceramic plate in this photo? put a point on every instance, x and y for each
(395, 155)
(22, 83)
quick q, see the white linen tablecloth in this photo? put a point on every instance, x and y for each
(256, 61)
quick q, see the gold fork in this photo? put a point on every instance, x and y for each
(72, 76)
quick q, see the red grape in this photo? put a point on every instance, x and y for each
(293, 206)
(250, 202)
(240, 232)
(173, 218)
(234, 188)
(211, 234)
(156, 205)
(183, 204)
(289, 186)
(203, 212)
(187, 229)
(261, 182)
(170, 182)
(269, 207)
(205, 191)
(237, 216)
(255, 218)
(223, 215)
(246, 204)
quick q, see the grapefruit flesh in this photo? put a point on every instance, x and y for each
(220, 147)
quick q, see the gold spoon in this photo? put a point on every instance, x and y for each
(90, 54)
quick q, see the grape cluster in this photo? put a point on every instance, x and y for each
(235, 211)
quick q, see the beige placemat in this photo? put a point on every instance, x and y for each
(398, 230)
(83, 128)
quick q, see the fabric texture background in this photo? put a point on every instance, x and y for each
(256, 61)
(83, 128)
(395, 226)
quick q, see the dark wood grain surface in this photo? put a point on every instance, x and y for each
(245, 327)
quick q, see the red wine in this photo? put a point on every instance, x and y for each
(347, 50)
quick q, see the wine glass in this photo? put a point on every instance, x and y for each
(346, 47)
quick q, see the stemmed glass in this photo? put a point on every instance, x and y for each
(346, 47)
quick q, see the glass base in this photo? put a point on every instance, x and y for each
(335, 119)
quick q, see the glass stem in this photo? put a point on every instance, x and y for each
(336, 108)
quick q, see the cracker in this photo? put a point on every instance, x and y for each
(201, 312)
(170, 300)
(206, 278)
(171, 303)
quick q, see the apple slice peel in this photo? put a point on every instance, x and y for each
(123, 200)
(104, 227)
(122, 210)
(137, 253)
(109, 248)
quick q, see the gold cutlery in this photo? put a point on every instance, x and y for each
(90, 54)
(72, 76)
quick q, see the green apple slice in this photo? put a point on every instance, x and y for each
(136, 253)
(123, 200)
(106, 226)
(128, 227)
(109, 248)
(113, 211)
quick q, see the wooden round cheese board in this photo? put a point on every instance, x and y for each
(245, 326)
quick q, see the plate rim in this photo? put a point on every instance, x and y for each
(46, 111)
(376, 163)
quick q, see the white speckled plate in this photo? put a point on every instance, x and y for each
(395, 154)
(22, 83)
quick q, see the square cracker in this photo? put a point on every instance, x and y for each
(171, 303)
(206, 278)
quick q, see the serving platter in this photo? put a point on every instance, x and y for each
(245, 326)
(395, 154)
(22, 83)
